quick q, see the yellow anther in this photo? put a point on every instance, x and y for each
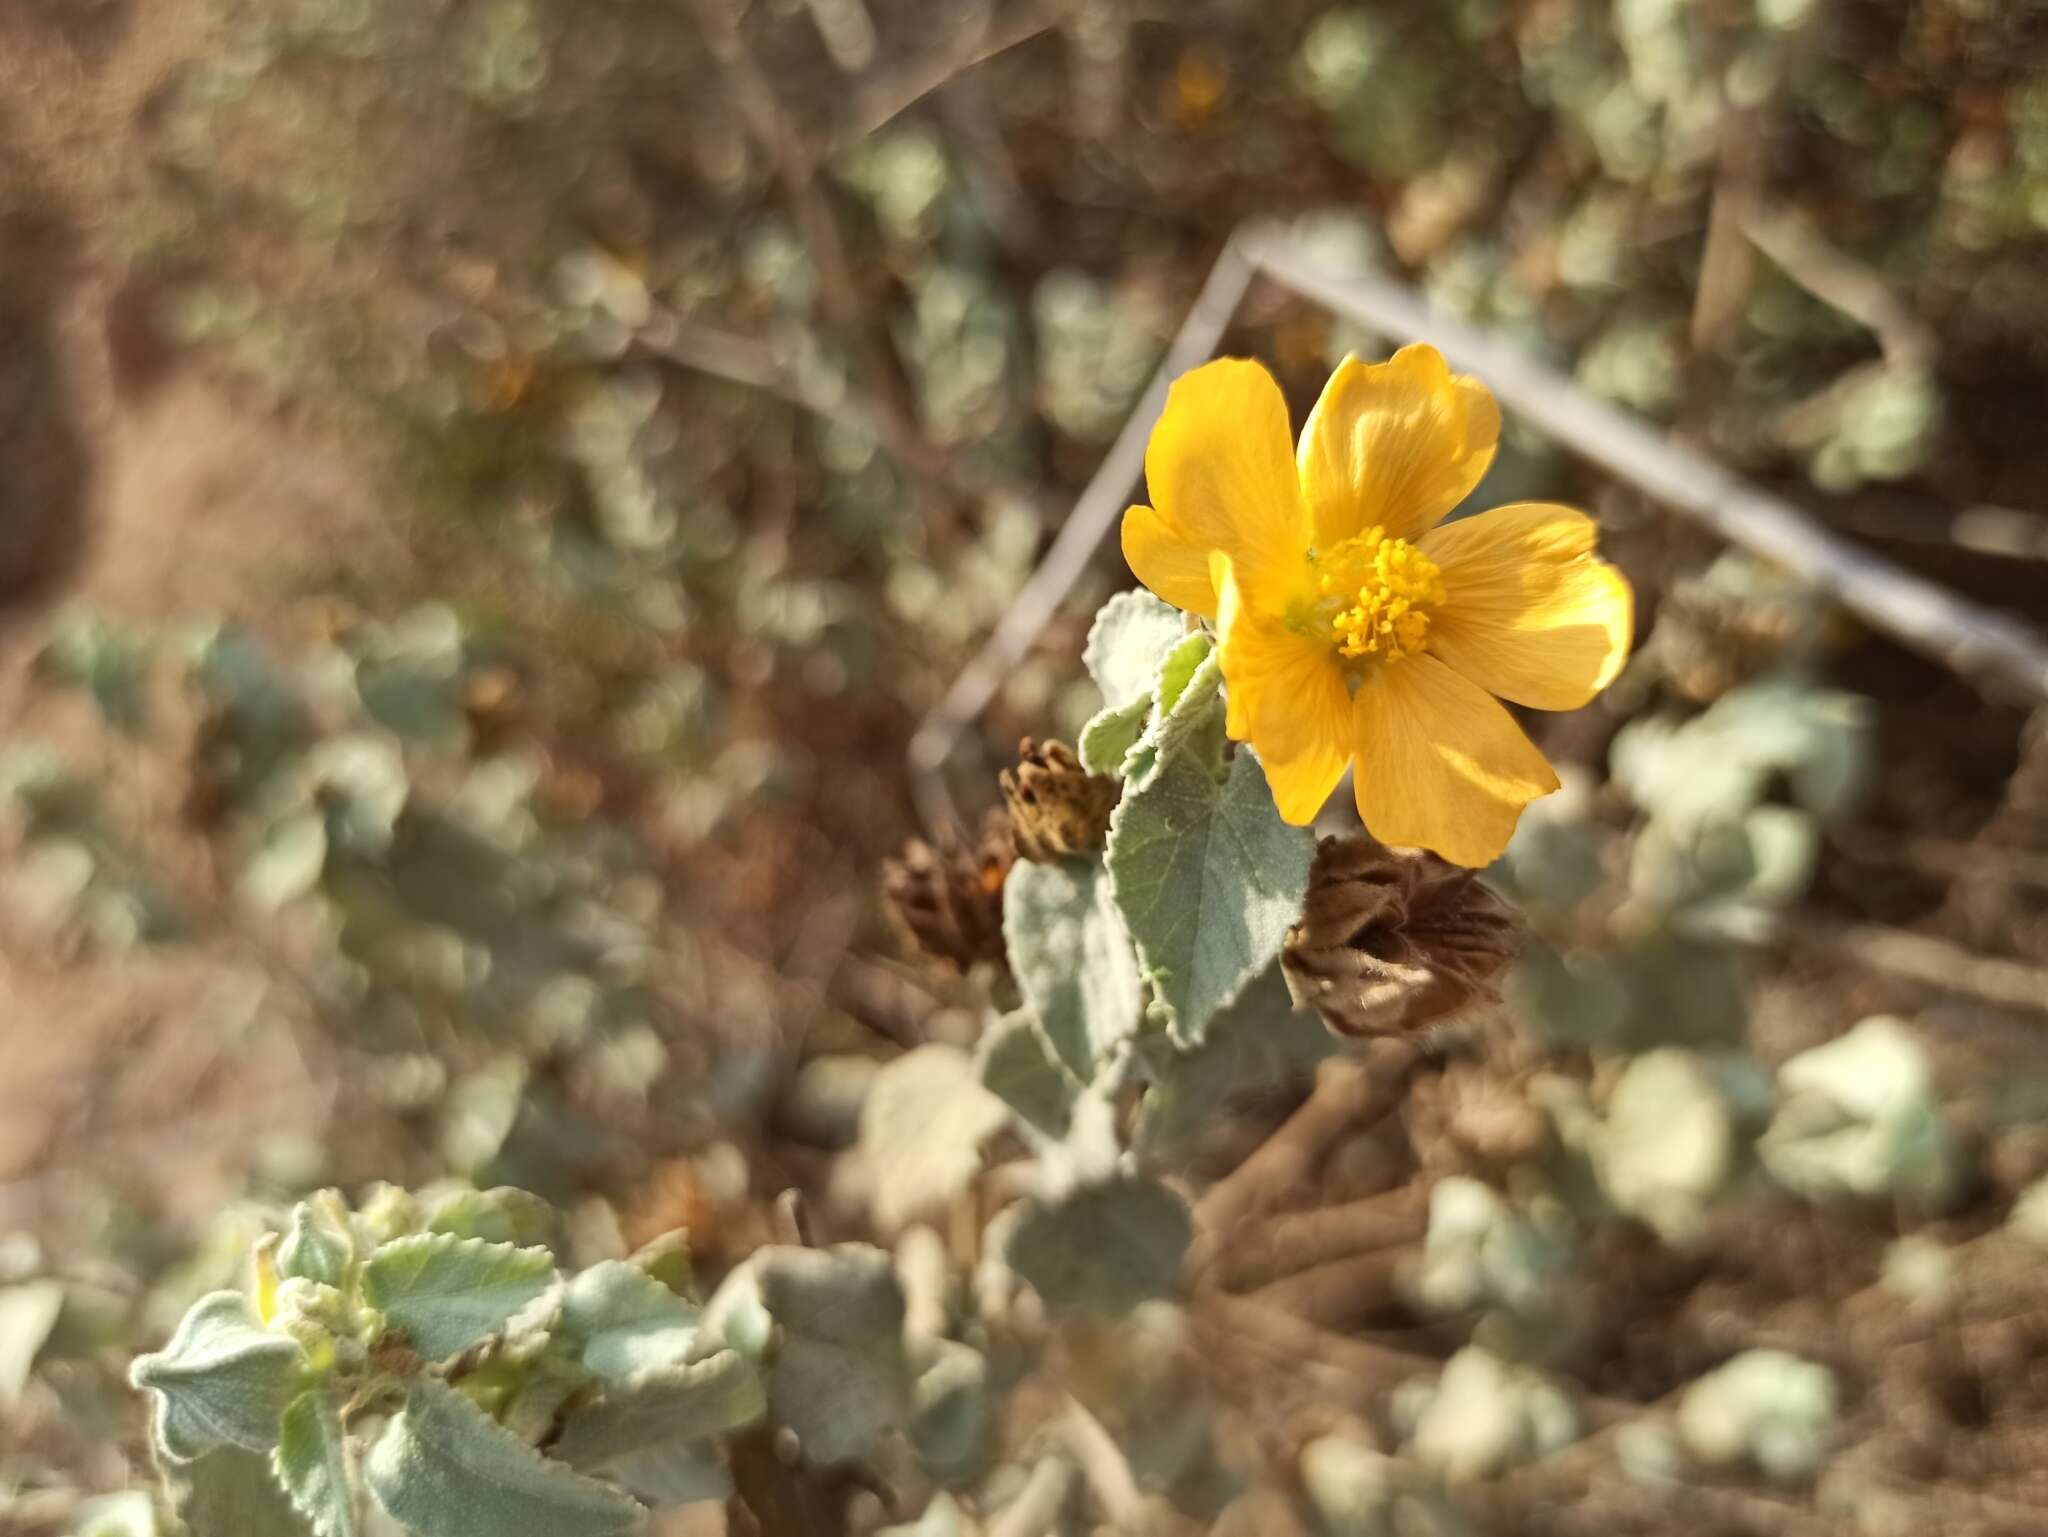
(1386, 588)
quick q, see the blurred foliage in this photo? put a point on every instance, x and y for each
(554, 852)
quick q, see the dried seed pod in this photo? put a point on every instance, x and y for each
(1058, 810)
(1392, 941)
(948, 897)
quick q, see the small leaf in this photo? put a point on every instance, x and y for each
(922, 1128)
(447, 1293)
(502, 1214)
(1104, 1249)
(28, 1313)
(628, 1322)
(317, 1246)
(1131, 635)
(222, 1380)
(231, 1493)
(840, 1376)
(1110, 735)
(445, 1469)
(678, 1473)
(310, 1462)
(675, 1403)
(1019, 1066)
(1187, 713)
(1209, 879)
(1072, 958)
(951, 1414)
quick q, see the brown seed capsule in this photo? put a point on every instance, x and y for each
(949, 898)
(1393, 941)
(1058, 810)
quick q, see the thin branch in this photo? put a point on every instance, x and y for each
(1297, 1241)
(1937, 963)
(1843, 283)
(1350, 1094)
(972, 43)
(1102, 1464)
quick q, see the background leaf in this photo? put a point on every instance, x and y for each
(1072, 958)
(657, 1408)
(1104, 1249)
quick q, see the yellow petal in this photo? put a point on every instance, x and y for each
(1441, 765)
(1220, 475)
(1530, 614)
(1168, 564)
(1286, 696)
(1395, 445)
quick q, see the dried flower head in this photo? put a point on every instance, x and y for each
(1393, 940)
(948, 896)
(1058, 810)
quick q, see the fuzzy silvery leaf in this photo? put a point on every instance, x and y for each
(310, 1463)
(290, 862)
(1208, 878)
(1187, 712)
(1351, 1485)
(1858, 1117)
(1019, 1065)
(444, 1468)
(317, 1245)
(28, 1313)
(1131, 636)
(1675, 1134)
(130, 1513)
(677, 1473)
(922, 1128)
(447, 1293)
(1485, 1414)
(230, 1492)
(1072, 958)
(223, 1380)
(840, 1378)
(502, 1214)
(1104, 1249)
(1110, 735)
(952, 1414)
(1765, 1407)
(654, 1408)
(626, 1321)
(1258, 1046)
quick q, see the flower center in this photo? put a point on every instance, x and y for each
(1375, 595)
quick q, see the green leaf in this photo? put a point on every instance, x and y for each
(1104, 1249)
(1257, 1046)
(222, 1380)
(317, 1246)
(310, 1462)
(951, 1414)
(627, 1321)
(840, 1377)
(1187, 714)
(446, 1469)
(1131, 636)
(231, 1493)
(675, 1403)
(1020, 1067)
(922, 1128)
(679, 1473)
(1209, 878)
(1072, 959)
(447, 1293)
(1110, 735)
(502, 1214)
(28, 1313)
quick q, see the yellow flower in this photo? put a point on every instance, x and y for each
(1359, 629)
